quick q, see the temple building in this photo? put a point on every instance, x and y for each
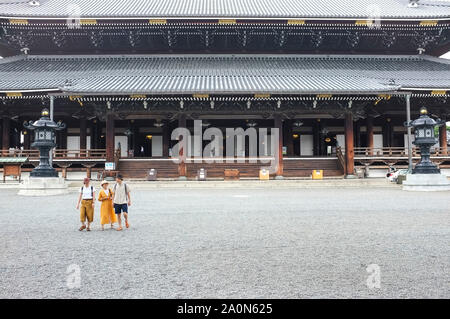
(336, 77)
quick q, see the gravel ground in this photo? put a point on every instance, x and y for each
(233, 243)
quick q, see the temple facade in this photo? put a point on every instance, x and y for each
(337, 79)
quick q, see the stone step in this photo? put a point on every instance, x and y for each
(271, 184)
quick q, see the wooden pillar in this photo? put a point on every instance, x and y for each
(349, 146)
(100, 143)
(58, 139)
(14, 137)
(135, 137)
(83, 136)
(92, 134)
(166, 139)
(95, 132)
(64, 172)
(98, 128)
(278, 123)
(316, 138)
(27, 139)
(369, 135)
(130, 148)
(182, 151)
(6, 125)
(443, 138)
(288, 138)
(391, 134)
(63, 143)
(110, 137)
(89, 172)
(358, 134)
(388, 133)
(384, 132)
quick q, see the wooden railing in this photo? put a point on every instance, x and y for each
(90, 154)
(57, 154)
(20, 153)
(396, 152)
(101, 153)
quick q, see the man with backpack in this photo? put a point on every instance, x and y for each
(122, 201)
(86, 199)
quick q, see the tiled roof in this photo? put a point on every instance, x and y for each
(226, 8)
(223, 74)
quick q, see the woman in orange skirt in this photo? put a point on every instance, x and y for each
(107, 215)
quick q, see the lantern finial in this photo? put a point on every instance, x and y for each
(423, 110)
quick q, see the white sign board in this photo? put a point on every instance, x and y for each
(109, 166)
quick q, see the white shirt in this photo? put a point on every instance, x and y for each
(87, 192)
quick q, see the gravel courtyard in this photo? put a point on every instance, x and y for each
(231, 243)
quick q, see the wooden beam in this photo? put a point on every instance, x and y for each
(349, 146)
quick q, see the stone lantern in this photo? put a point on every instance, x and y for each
(425, 139)
(425, 175)
(44, 140)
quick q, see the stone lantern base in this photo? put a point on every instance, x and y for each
(426, 183)
(43, 186)
(44, 173)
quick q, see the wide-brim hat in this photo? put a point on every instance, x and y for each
(104, 182)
